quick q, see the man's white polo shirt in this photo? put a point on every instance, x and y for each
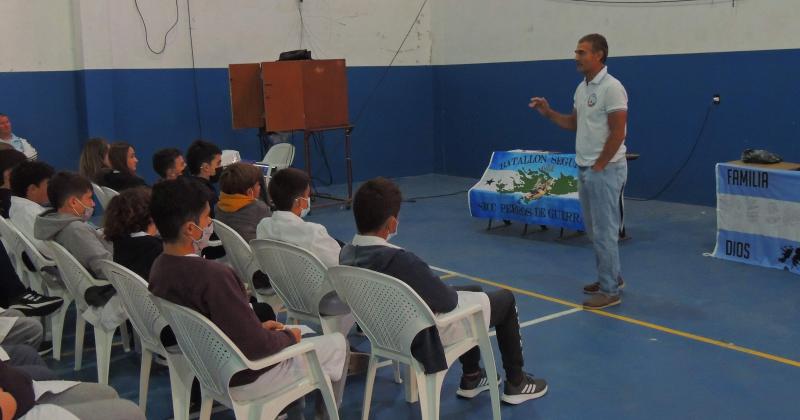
(593, 102)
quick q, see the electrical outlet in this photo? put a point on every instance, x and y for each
(716, 99)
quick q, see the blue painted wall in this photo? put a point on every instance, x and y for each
(445, 119)
(483, 107)
(151, 109)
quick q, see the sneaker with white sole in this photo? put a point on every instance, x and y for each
(529, 389)
(473, 385)
(31, 303)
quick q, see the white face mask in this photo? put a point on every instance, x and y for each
(393, 234)
(201, 243)
(88, 211)
(305, 211)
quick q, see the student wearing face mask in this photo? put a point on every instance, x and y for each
(376, 207)
(181, 276)
(204, 161)
(67, 224)
(290, 190)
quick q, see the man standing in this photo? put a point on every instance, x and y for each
(599, 117)
(8, 138)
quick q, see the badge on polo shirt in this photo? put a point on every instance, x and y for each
(592, 100)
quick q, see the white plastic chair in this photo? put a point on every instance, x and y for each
(299, 278)
(214, 358)
(391, 314)
(102, 197)
(241, 258)
(279, 156)
(77, 280)
(148, 323)
(39, 280)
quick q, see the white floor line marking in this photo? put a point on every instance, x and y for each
(543, 319)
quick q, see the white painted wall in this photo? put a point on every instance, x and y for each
(481, 31)
(42, 35)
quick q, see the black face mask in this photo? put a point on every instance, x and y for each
(215, 178)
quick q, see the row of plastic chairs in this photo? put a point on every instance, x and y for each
(389, 312)
(72, 278)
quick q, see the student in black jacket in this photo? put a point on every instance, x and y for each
(128, 225)
(123, 168)
(376, 207)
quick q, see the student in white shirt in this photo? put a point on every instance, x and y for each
(290, 190)
(29, 181)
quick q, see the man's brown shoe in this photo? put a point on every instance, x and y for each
(594, 288)
(600, 301)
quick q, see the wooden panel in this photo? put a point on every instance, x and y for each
(786, 166)
(247, 105)
(325, 93)
(283, 95)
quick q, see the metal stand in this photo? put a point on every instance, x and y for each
(348, 129)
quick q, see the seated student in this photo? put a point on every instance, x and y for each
(290, 190)
(168, 163)
(94, 163)
(81, 400)
(129, 227)
(7, 137)
(16, 328)
(29, 181)
(376, 207)
(204, 161)
(123, 161)
(15, 296)
(181, 276)
(9, 158)
(239, 204)
(71, 197)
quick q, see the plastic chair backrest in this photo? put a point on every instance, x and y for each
(75, 276)
(238, 252)
(389, 312)
(297, 276)
(280, 156)
(213, 356)
(142, 312)
(20, 243)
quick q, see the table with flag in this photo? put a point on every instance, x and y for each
(532, 187)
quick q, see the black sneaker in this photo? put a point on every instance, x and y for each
(471, 386)
(45, 347)
(31, 303)
(594, 288)
(529, 389)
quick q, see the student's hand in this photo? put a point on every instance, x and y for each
(272, 325)
(297, 334)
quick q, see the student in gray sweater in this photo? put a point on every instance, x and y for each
(67, 224)
(376, 207)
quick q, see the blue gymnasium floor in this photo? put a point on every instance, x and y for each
(694, 338)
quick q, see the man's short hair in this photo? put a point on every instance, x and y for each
(64, 185)
(29, 173)
(237, 178)
(375, 201)
(598, 43)
(118, 156)
(175, 202)
(164, 159)
(286, 185)
(200, 152)
(10, 158)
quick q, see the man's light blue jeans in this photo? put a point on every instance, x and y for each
(600, 200)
